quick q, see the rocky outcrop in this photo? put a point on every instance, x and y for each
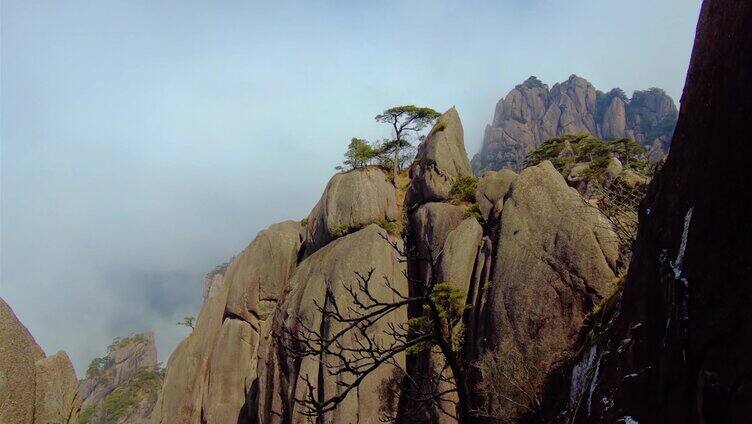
(184, 386)
(33, 388)
(351, 201)
(531, 113)
(256, 278)
(440, 160)
(674, 345)
(555, 259)
(210, 373)
(334, 266)
(122, 386)
(492, 187)
(214, 276)
(56, 399)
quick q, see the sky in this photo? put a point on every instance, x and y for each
(144, 142)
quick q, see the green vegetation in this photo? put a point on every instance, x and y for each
(359, 154)
(304, 222)
(121, 342)
(98, 367)
(340, 230)
(474, 211)
(86, 415)
(463, 189)
(188, 321)
(566, 150)
(143, 385)
(389, 226)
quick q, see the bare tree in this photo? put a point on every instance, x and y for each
(354, 350)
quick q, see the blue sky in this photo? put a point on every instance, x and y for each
(144, 142)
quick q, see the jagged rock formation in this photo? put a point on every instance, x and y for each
(555, 258)
(439, 161)
(531, 113)
(122, 386)
(33, 388)
(538, 248)
(674, 345)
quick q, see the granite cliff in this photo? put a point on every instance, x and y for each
(532, 113)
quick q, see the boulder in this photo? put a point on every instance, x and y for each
(335, 266)
(351, 201)
(554, 261)
(56, 399)
(457, 260)
(613, 170)
(492, 187)
(256, 276)
(18, 356)
(441, 158)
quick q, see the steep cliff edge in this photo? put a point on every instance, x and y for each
(674, 345)
(34, 389)
(531, 113)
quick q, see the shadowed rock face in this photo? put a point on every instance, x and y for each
(531, 113)
(676, 345)
(33, 388)
(282, 378)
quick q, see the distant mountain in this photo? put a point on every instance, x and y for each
(122, 387)
(532, 113)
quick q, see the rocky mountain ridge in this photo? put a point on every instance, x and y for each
(235, 366)
(531, 113)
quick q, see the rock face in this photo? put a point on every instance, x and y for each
(56, 399)
(674, 346)
(531, 113)
(257, 277)
(334, 266)
(441, 158)
(492, 187)
(211, 371)
(529, 269)
(555, 259)
(351, 201)
(128, 376)
(33, 388)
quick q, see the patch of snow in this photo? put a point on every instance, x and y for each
(579, 376)
(593, 383)
(683, 245)
(630, 376)
(628, 420)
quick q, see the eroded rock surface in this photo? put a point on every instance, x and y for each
(441, 158)
(34, 389)
(531, 113)
(555, 260)
(351, 201)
